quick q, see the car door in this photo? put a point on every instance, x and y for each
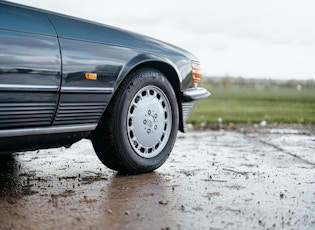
(90, 68)
(30, 68)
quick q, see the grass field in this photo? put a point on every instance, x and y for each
(252, 104)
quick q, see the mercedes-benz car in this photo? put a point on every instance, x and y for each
(63, 79)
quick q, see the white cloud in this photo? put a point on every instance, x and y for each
(249, 38)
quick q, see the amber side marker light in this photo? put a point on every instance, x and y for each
(196, 72)
(91, 76)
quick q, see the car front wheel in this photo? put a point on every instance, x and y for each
(138, 130)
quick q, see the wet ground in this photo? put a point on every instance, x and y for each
(242, 179)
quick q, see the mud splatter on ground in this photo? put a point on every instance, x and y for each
(241, 179)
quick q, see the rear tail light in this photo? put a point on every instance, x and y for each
(196, 72)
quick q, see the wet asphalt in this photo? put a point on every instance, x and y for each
(248, 178)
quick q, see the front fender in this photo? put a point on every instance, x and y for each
(146, 59)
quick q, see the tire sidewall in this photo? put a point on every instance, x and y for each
(126, 153)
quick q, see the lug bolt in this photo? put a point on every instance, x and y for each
(149, 112)
(149, 130)
(144, 121)
(155, 127)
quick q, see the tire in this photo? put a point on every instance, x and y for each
(139, 128)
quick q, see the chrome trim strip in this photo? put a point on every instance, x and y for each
(74, 89)
(64, 89)
(46, 130)
(19, 87)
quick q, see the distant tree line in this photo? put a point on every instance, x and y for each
(261, 83)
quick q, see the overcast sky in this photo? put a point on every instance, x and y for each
(248, 38)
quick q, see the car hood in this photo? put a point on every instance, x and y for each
(80, 29)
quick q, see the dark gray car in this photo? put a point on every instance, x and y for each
(63, 79)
